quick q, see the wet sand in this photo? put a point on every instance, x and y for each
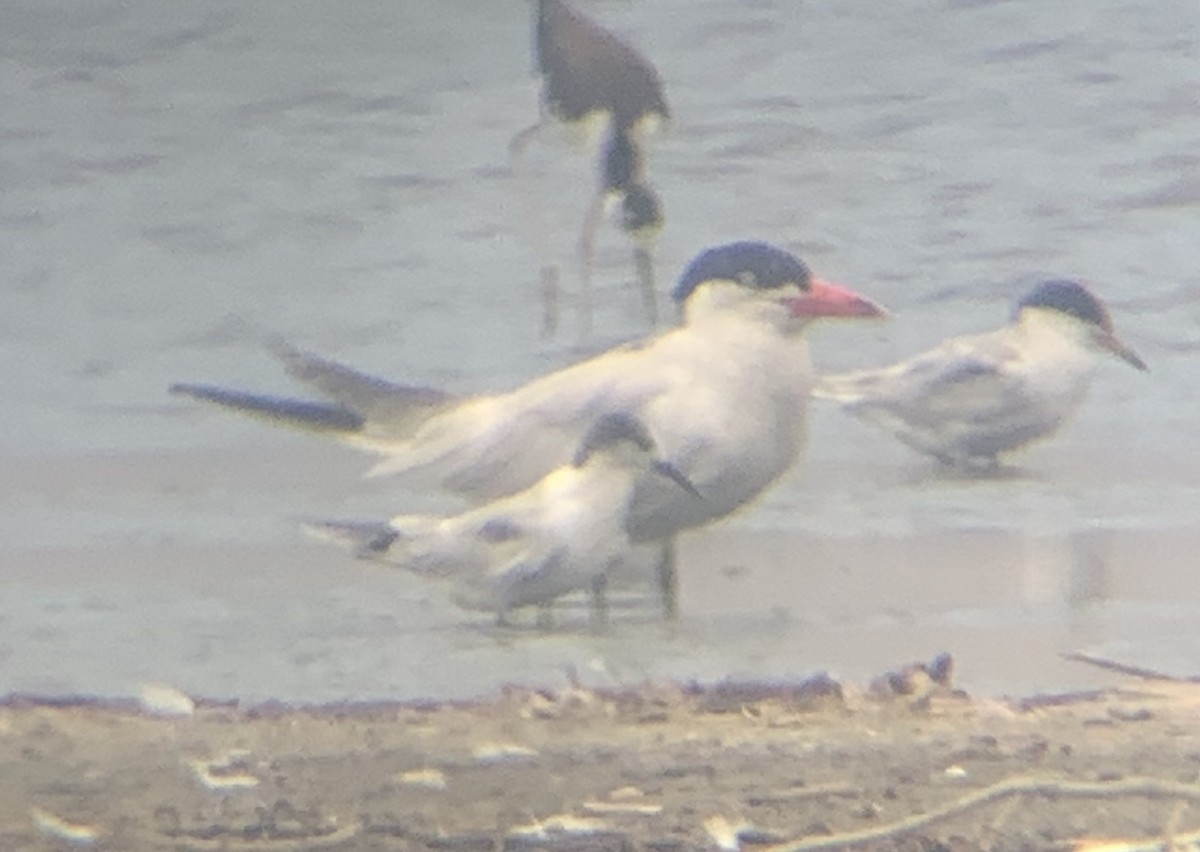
(679, 767)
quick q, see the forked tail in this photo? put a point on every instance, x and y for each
(367, 539)
(299, 413)
(355, 403)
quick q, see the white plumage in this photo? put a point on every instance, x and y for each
(974, 398)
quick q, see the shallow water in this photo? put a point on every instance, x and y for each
(178, 182)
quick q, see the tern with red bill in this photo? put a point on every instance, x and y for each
(974, 398)
(725, 396)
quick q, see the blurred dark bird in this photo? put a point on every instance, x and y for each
(591, 78)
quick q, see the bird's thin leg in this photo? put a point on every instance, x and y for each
(550, 298)
(587, 251)
(600, 602)
(643, 260)
(979, 465)
(535, 232)
(989, 467)
(668, 580)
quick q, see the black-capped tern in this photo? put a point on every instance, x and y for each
(564, 534)
(725, 395)
(974, 398)
(589, 76)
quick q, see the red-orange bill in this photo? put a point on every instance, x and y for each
(824, 299)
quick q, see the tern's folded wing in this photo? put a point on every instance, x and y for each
(462, 547)
(490, 446)
(950, 383)
(962, 374)
(970, 395)
(534, 575)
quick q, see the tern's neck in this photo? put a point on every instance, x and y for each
(1054, 336)
(712, 310)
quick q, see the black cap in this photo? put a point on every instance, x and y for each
(752, 264)
(1071, 298)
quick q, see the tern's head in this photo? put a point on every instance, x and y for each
(1075, 310)
(758, 279)
(623, 439)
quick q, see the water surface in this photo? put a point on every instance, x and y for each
(180, 181)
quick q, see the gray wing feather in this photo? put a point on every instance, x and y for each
(359, 406)
(396, 408)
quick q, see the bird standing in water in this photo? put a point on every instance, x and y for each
(725, 396)
(973, 398)
(589, 75)
(563, 534)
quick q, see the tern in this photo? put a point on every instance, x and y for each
(590, 77)
(973, 398)
(725, 395)
(564, 534)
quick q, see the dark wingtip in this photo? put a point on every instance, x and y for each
(295, 412)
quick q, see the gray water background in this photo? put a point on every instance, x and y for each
(179, 181)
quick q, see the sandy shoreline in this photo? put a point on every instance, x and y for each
(663, 766)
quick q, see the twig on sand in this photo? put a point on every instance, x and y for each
(795, 794)
(1152, 788)
(1124, 668)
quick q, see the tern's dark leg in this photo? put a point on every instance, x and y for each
(668, 580)
(600, 602)
(535, 233)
